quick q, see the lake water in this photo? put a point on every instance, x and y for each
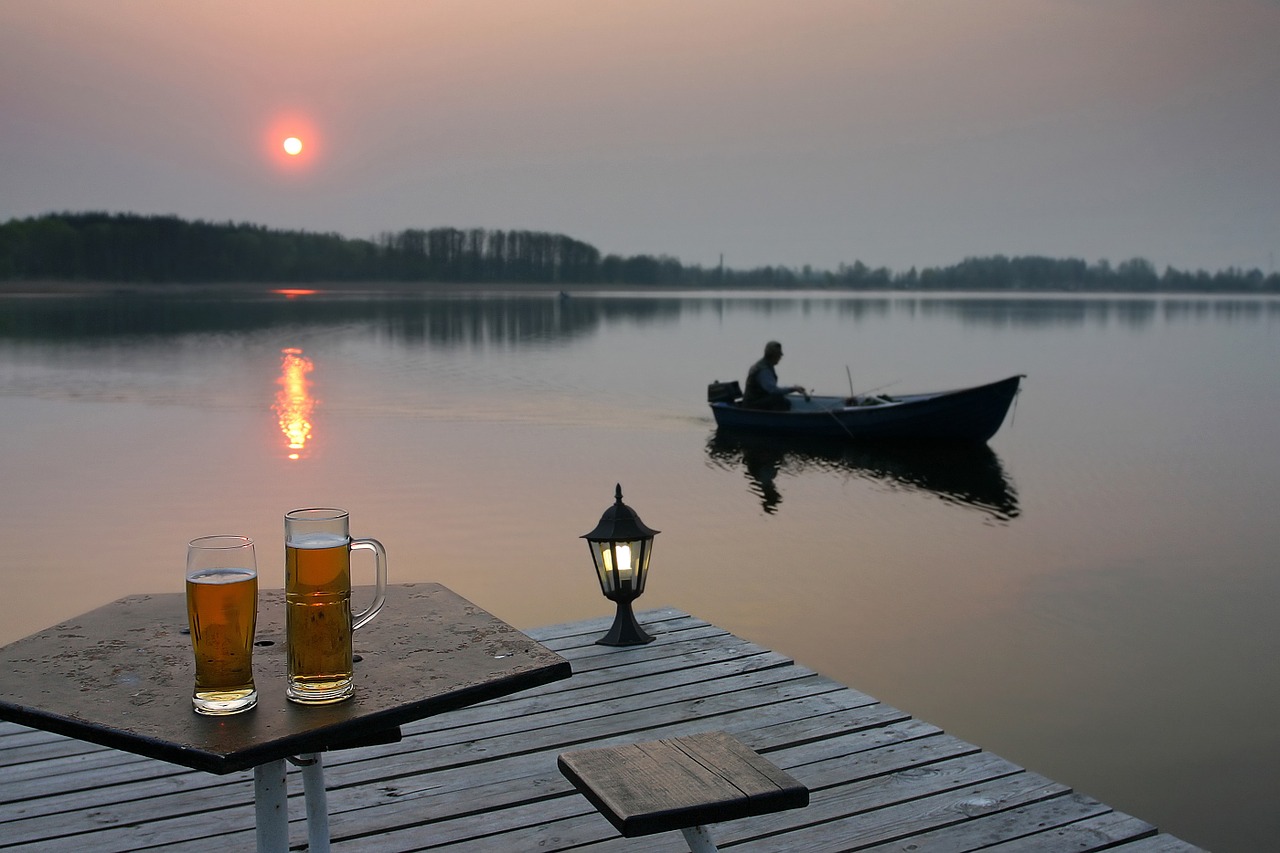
(1093, 597)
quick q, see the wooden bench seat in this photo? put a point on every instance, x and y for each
(682, 783)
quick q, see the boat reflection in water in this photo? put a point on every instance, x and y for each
(963, 474)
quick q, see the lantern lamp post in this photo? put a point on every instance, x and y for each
(620, 548)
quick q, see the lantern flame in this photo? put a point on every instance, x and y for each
(294, 403)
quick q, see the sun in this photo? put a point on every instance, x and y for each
(291, 141)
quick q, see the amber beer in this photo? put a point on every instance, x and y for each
(318, 618)
(222, 606)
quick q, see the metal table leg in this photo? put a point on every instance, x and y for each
(699, 840)
(270, 805)
(271, 809)
(317, 802)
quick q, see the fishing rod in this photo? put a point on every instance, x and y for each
(879, 388)
(853, 393)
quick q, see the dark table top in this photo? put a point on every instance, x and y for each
(122, 675)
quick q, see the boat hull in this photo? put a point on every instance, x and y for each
(965, 414)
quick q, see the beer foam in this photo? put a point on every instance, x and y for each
(222, 575)
(314, 541)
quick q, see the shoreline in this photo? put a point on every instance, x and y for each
(54, 288)
(89, 288)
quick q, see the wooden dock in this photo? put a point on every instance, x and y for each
(485, 778)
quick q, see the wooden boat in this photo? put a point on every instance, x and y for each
(964, 414)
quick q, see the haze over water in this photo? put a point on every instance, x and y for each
(769, 131)
(1091, 597)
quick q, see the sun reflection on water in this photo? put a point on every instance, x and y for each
(294, 402)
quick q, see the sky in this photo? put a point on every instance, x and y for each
(897, 133)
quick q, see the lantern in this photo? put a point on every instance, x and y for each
(620, 548)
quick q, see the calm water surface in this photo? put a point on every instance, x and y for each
(1092, 597)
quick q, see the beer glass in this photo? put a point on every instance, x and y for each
(222, 612)
(317, 593)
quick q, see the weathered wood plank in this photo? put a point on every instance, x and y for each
(589, 630)
(1015, 824)
(74, 767)
(1158, 844)
(648, 688)
(36, 751)
(905, 816)
(1091, 834)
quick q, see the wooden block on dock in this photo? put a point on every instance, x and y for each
(661, 785)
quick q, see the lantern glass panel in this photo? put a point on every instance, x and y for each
(621, 565)
(597, 556)
(642, 565)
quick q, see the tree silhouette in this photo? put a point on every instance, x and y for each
(130, 248)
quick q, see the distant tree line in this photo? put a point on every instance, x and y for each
(155, 249)
(131, 248)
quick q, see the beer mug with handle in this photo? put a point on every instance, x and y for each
(318, 618)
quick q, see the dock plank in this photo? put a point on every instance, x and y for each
(484, 778)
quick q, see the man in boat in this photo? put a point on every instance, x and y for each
(762, 390)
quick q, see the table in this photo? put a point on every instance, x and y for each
(121, 676)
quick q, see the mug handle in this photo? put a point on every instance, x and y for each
(380, 595)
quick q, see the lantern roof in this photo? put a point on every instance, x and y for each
(619, 524)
